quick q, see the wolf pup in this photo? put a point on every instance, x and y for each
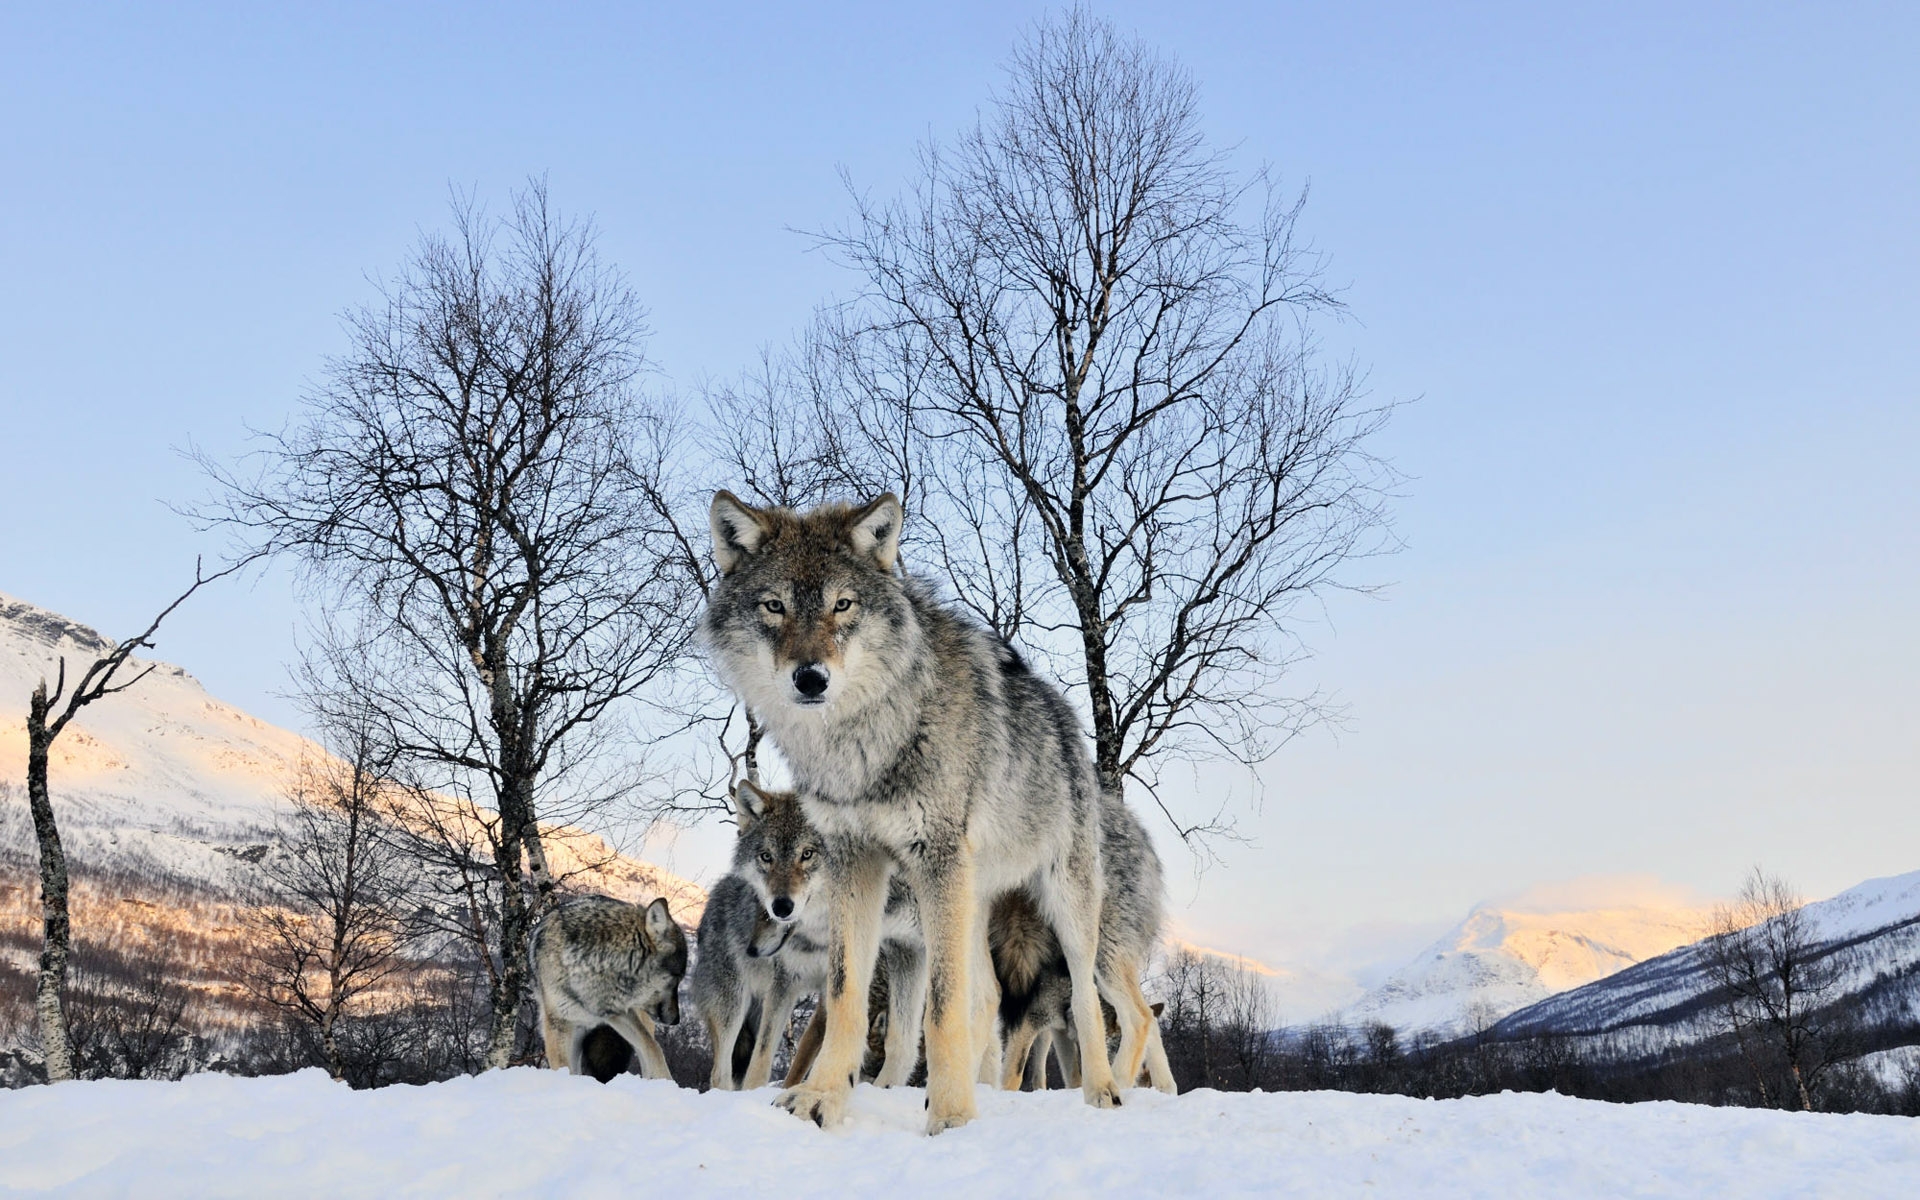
(1035, 990)
(763, 945)
(600, 961)
(920, 743)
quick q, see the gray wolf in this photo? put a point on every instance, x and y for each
(764, 943)
(601, 961)
(1034, 984)
(921, 744)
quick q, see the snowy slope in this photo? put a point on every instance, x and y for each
(300, 1135)
(1507, 956)
(165, 784)
(1872, 930)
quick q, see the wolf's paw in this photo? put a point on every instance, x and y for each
(823, 1106)
(1103, 1097)
(940, 1122)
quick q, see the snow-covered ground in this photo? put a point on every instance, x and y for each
(536, 1133)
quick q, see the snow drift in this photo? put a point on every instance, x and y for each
(537, 1133)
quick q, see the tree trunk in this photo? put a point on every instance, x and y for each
(57, 931)
(514, 926)
(1800, 1082)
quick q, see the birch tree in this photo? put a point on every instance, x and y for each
(1090, 341)
(49, 712)
(470, 491)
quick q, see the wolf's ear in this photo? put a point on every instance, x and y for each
(875, 530)
(659, 921)
(738, 529)
(749, 803)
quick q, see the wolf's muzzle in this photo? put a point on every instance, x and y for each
(667, 1012)
(810, 680)
(782, 908)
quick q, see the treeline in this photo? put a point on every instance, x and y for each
(1219, 1030)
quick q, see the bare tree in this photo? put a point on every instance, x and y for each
(128, 1020)
(473, 486)
(1091, 340)
(1776, 981)
(47, 718)
(328, 919)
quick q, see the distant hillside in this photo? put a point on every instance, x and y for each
(167, 800)
(1872, 932)
(1503, 957)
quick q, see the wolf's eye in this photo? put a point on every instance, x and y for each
(806, 855)
(766, 856)
(773, 606)
(842, 604)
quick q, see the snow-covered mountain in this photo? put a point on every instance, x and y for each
(1505, 956)
(1871, 932)
(166, 796)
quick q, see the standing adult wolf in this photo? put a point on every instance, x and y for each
(920, 742)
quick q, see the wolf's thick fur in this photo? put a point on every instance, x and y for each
(600, 961)
(1035, 988)
(763, 945)
(921, 743)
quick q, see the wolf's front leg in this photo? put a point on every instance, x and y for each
(775, 1007)
(943, 885)
(857, 895)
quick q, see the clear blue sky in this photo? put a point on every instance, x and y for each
(1652, 273)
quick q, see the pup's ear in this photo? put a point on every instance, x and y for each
(875, 530)
(659, 921)
(749, 803)
(738, 529)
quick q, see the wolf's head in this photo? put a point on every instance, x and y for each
(666, 946)
(808, 613)
(778, 853)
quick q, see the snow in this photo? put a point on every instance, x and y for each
(527, 1133)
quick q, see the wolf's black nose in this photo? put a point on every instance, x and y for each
(810, 680)
(782, 907)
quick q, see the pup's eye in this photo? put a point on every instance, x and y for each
(842, 604)
(773, 606)
(766, 856)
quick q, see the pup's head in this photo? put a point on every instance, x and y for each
(666, 945)
(808, 612)
(779, 853)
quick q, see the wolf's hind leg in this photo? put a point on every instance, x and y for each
(1121, 986)
(1034, 1077)
(637, 1028)
(1021, 1041)
(558, 1039)
(986, 1006)
(1158, 1069)
(808, 1047)
(906, 1011)
(1076, 922)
